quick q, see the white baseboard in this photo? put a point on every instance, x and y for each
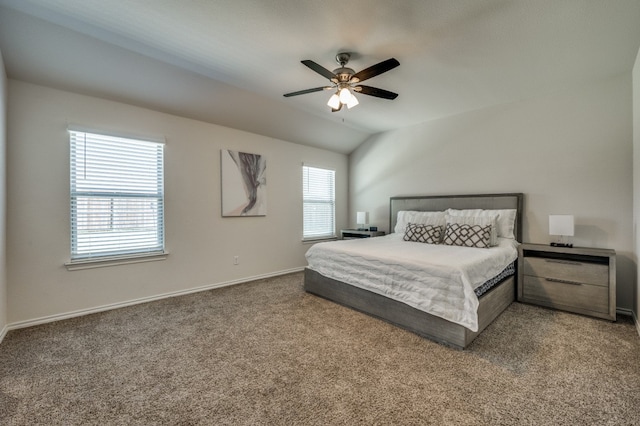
(81, 312)
(632, 314)
(3, 332)
(624, 311)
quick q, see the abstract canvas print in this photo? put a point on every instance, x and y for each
(244, 183)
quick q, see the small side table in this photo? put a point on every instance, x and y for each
(581, 280)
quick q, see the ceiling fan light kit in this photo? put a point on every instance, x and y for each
(345, 81)
(353, 101)
(345, 95)
(334, 101)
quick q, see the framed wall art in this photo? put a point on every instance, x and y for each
(244, 183)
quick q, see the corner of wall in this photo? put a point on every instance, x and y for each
(636, 179)
(3, 203)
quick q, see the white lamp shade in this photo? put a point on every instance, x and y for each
(352, 102)
(334, 101)
(345, 95)
(362, 217)
(561, 224)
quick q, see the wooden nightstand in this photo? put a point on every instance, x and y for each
(581, 280)
(350, 234)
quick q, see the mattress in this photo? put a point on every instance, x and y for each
(488, 285)
(437, 279)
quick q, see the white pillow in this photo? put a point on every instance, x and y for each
(423, 218)
(505, 223)
(482, 220)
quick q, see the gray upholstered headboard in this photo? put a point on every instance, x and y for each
(443, 202)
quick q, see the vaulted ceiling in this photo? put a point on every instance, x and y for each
(230, 61)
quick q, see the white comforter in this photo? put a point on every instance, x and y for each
(437, 279)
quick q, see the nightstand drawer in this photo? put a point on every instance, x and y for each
(562, 295)
(567, 270)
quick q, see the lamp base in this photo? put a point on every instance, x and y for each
(561, 245)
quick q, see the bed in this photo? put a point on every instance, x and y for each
(408, 315)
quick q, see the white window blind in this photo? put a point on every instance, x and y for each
(318, 202)
(117, 196)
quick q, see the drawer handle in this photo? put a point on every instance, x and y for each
(564, 262)
(556, 280)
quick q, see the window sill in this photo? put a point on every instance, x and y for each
(319, 240)
(113, 261)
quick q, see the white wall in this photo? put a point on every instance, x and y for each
(570, 153)
(201, 243)
(3, 204)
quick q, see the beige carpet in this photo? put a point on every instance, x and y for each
(267, 353)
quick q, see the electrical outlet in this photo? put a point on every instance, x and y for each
(236, 260)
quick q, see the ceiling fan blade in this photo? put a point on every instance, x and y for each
(376, 69)
(374, 91)
(319, 69)
(303, 92)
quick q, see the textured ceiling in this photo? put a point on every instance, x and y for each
(229, 61)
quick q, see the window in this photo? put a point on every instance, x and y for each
(117, 196)
(318, 195)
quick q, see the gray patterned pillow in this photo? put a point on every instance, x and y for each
(420, 233)
(458, 234)
(477, 220)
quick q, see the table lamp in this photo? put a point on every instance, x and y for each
(362, 218)
(561, 225)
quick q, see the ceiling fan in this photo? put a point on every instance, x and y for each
(345, 81)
